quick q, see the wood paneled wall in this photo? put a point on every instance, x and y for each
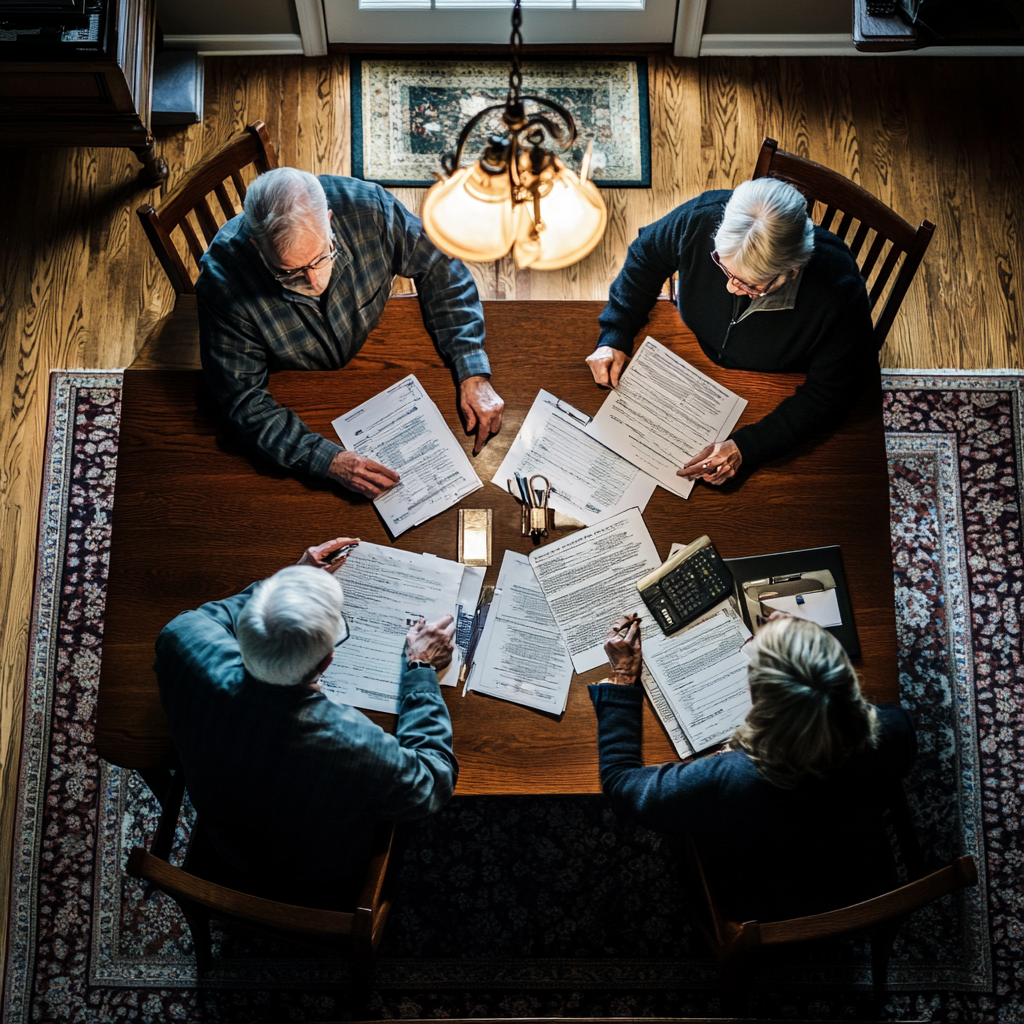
(79, 286)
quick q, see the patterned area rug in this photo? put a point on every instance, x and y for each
(407, 113)
(543, 906)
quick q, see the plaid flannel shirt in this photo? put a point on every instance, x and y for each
(249, 324)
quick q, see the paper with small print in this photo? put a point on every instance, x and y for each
(663, 413)
(402, 429)
(588, 481)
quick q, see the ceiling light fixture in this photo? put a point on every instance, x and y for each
(518, 195)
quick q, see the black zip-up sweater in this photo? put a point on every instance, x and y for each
(827, 334)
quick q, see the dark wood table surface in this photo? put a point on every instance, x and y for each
(197, 518)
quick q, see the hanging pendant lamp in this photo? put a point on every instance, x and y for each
(518, 196)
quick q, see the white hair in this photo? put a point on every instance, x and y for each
(765, 229)
(281, 204)
(290, 624)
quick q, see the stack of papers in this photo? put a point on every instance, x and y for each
(588, 481)
(663, 413)
(402, 429)
(520, 656)
(387, 590)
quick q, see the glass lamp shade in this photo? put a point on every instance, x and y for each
(573, 219)
(470, 215)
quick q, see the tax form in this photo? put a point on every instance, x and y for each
(403, 429)
(663, 413)
(386, 592)
(589, 580)
(521, 656)
(588, 481)
(702, 674)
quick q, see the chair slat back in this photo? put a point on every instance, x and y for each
(186, 211)
(836, 194)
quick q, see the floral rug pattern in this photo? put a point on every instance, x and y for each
(606, 932)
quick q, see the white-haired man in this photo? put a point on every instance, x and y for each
(289, 786)
(751, 251)
(297, 281)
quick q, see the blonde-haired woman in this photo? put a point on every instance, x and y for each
(763, 289)
(788, 820)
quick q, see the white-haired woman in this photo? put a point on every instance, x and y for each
(788, 820)
(741, 253)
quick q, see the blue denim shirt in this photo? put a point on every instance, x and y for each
(290, 785)
(249, 324)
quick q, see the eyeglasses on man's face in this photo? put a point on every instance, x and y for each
(291, 276)
(753, 290)
(343, 632)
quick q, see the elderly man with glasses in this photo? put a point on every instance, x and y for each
(290, 786)
(741, 253)
(297, 282)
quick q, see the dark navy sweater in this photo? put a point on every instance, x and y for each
(827, 334)
(769, 853)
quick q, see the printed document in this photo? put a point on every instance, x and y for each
(588, 481)
(589, 580)
(820, 606)
(663, 413)
(386, 592)
(702, 674)
(403, 429)
(521, 656)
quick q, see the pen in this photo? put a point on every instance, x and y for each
(625, 629)
(344, 550)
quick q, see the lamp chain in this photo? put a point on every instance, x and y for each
(515, 76)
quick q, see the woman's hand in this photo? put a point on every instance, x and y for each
(715, 464)
(623, 649)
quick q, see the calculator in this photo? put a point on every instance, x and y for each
(687, 585)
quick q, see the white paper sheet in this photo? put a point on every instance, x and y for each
(386, 592)
(820, 606)
(663, 709)
(663, 413)
(403, 429)
(702, 673)
(521, 656)
(588, 481)
(589, 580)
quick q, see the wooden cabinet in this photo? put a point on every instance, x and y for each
(98, 94)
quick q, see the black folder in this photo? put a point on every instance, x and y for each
(784, 563)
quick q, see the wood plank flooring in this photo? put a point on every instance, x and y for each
(79, 286)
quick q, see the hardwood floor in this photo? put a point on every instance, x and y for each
(79, 286)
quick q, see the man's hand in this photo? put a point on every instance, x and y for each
(433, 643)
(606, 364)
(362, 475)
(321, 555)
(715, 464)
(482, 409)
(624, 653)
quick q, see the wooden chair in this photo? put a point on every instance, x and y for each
(733, 941)
(201, 900)
(188, 208)
(838, 196)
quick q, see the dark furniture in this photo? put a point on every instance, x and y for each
(204, 888)
(892, 240)
(198, 518)
(191, 211)
(733, 942)
(87, 93)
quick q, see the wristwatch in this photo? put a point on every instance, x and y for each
(409, 665)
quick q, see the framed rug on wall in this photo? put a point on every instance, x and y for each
(407, 113)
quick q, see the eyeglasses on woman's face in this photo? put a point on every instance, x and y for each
(343, 631)
(755, 291)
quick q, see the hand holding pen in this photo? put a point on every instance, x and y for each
(330, 555)
(623, 647)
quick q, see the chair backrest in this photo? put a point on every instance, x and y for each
(363, 926)
(893, 242)
(732, 940)
(189, 210)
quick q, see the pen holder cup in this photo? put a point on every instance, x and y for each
(539, 519)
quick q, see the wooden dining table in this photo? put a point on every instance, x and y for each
(198, 516)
